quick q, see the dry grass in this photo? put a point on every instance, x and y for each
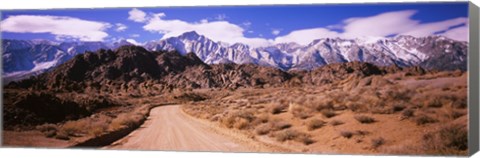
(450, 139)
(377, 142)
(315, 124)
(425, 119)
(346, 134)
(289, 134)
(277, 108)
(329, 113)
(336, 122)
(364, 119)
(263, 129)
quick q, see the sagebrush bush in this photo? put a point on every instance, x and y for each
(263, 129)
(346, 134)
(424, 119)
(336, 122)
(364, 119)
(377, 142)
(328, 113)
(450, 139)
(315, 124)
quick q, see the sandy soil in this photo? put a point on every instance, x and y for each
(31, 139)
(168, 128)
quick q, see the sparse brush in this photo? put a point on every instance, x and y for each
(297, 136)
(241, 123)
(286, 135)
(377, 142)
(364, 119)
(301, 112)
(49, 130)
(450, 139)
(336, 122)
(328, 113)
(397, 107)
(434, 102)
(315, 124)
(280, 125)
(263, 129)
(424, 119)
(407, 113)
(346, 134)
(277, 108)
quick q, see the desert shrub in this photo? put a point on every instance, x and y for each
(328, 113)
(434, 102)
(397, 107)
(336, 122)
(450, 139)
(356, 107)
(228, 121)
(290, 134)
(49, 130)
(280, 125)
(456, 114)
(241, 123)
(324, 104)
(346, 134)
(263, 129)
(73, 128)
(286, 135)
(361, 132)
(377, 142)
(407, 113)
(315, 124)
(190, 96)
(262, 118)
(424, 119)
(364, 119)
(277, 108)
(301, 112)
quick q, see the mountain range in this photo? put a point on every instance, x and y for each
(23, 58)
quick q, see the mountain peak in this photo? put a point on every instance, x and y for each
(190, 35)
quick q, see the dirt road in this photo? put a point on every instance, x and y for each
(168, 128)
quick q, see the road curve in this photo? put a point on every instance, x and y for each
(167, 128)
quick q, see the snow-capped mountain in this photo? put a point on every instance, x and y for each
(431, 52)
(22, 58)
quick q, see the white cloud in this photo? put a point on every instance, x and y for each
(221, 17)
(135, 35)
(275, 31)
(247, 24)
(381, 25)
(306, 36)
(217, 30)
(458, 33)
(120, 27)
(431, 28)
(63, 27)
(137, 15)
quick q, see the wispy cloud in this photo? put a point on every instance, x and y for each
(120, 27)
(381, 25)
(63, 27)
(221, 17)
(276, 31)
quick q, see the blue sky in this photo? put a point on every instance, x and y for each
(253, 25)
